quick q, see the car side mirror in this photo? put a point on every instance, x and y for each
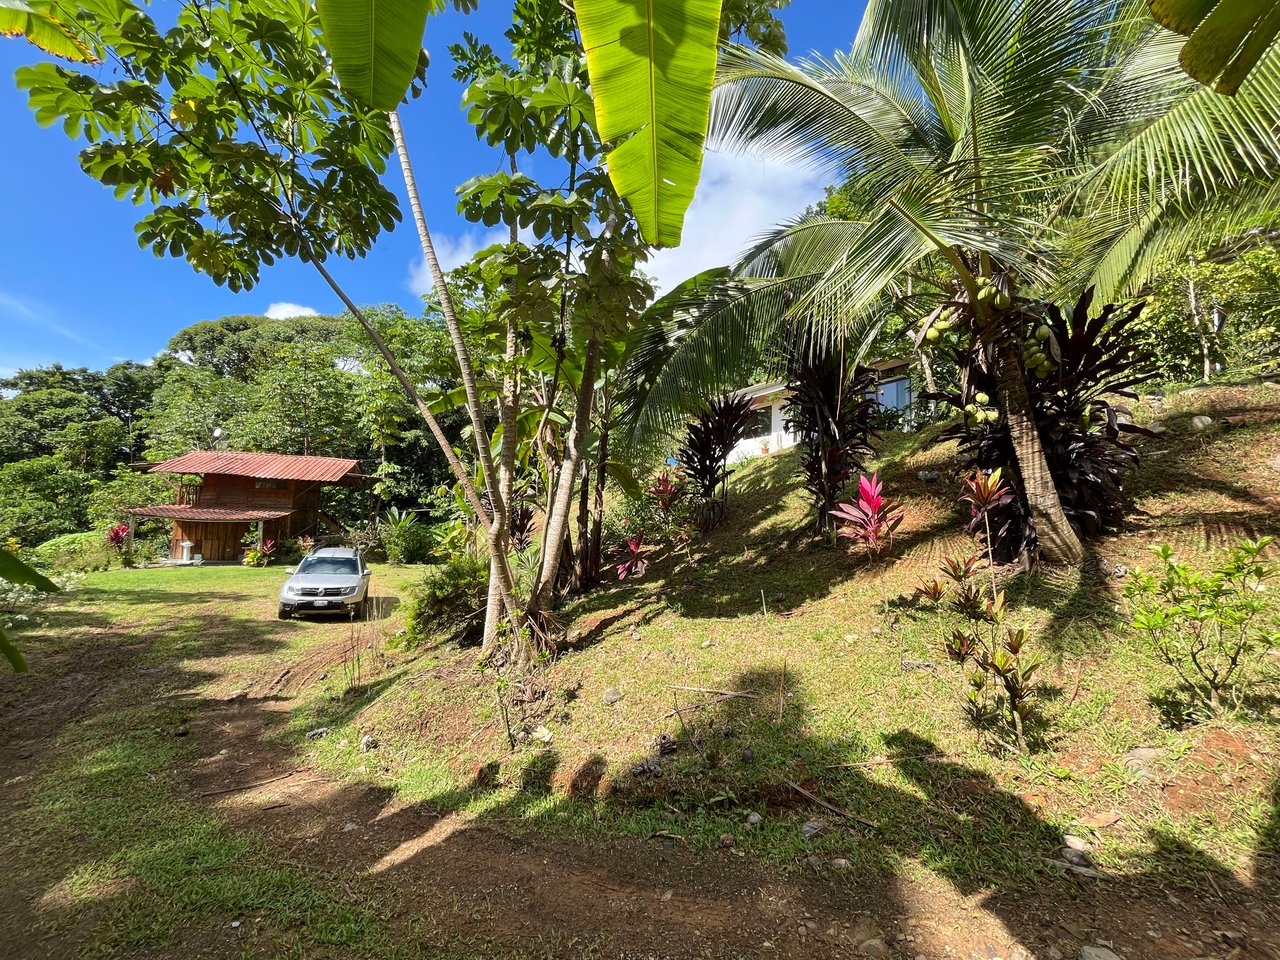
(367, 573)
(289, 570)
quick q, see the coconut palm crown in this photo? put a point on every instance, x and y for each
(1054, 144)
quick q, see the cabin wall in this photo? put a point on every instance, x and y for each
(215, 542)
(221, 541)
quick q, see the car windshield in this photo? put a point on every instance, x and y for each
(330, 565)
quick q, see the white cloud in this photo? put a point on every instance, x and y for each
(452, 252)
(284, 310)
(738, 199)
(34, 315)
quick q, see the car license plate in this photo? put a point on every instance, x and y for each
(322, 603)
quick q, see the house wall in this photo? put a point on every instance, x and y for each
(894, 393)
(215, 542)
(778, 437)
(221, 541)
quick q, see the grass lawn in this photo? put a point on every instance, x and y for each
(156, 694)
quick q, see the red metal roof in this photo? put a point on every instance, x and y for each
(263, 466)
(215, 514)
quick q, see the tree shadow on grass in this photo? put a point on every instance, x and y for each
(416, 875)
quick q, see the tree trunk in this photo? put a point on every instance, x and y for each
(1202, 328)
(926, 368)
(581, 555)
(507, 411)
(595, 563)
(1058, 540)
(558, 518)
(496, 530)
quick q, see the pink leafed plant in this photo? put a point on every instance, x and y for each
(634, 564)
(870, 521)
(118, 536)
(665, 492)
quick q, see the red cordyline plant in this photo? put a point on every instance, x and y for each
(871, 521)
(634, 564)
(665, 492)
(118, 536)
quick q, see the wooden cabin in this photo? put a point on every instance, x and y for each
(271, 496)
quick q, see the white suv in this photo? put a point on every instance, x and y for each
(331, 578)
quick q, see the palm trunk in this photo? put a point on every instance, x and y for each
(1058, 540)
(497, 529)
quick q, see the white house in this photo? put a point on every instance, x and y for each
(770, 434)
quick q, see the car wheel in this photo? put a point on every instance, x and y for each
(357, 610)
(283, 612)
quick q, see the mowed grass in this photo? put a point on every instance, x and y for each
(849, 696)
(106, 853)
(842, 693)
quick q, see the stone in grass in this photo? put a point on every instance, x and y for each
(812, 828)
(1141, 758)
(1200, 423)
(754, 819)
(368, 742)
(612, 696)
(876, 948)
(317, 733)
(1097, 953)
(840, 863)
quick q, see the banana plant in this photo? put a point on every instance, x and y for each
(15, 571)
(652, 68)
(375, 45)
(1226, 39)
(42, 29)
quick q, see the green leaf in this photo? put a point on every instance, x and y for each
(375, 45)
(15, 571)
(12, 654)
(652, 66)
(19, 19)
(622, 474)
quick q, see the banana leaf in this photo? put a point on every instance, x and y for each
(375, 45)
(652, 67)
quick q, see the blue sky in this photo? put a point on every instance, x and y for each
(76, 288)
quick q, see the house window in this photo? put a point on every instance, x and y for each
(761, 423)
(268, 484)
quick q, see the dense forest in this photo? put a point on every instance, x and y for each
(71, 438)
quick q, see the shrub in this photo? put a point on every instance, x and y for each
(872, 520)
(1215, 629)
(1000, 685)
(259, 555)
(830, 409)
(448, 603)
(704, 456)
(75, 553)
(1071, 362)
(404, 538)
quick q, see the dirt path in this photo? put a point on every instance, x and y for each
(504, 887)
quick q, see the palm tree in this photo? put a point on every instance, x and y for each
(1040, 145)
